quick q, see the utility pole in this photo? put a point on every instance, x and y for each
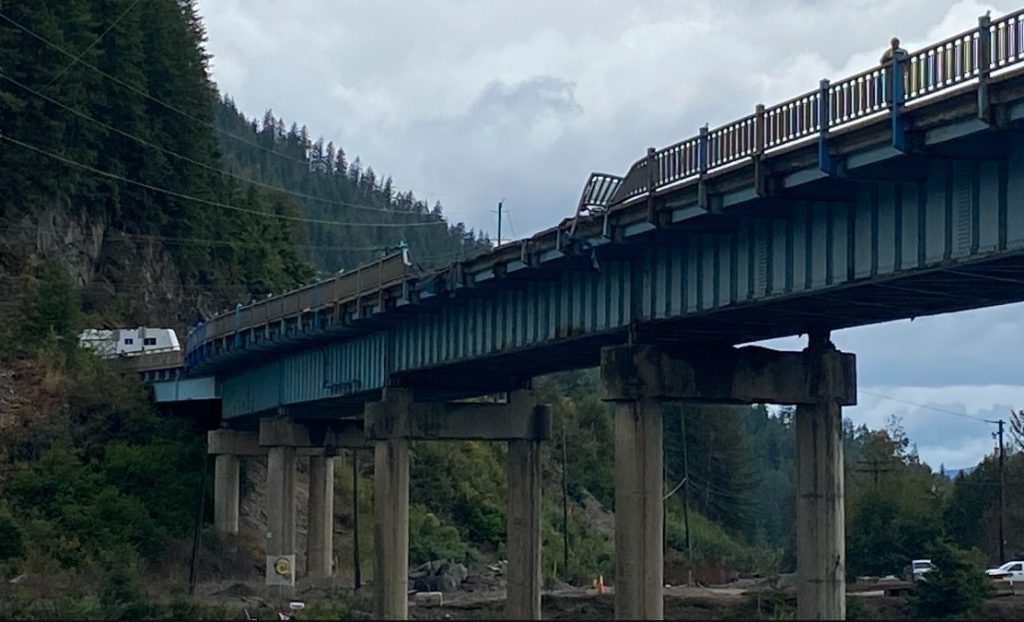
(875, 469)
(499, 222)
(686, 498)
(565, 495)
(1002, 497)
(358, 580)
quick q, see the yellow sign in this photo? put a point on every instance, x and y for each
(283, 566)
(280, 570)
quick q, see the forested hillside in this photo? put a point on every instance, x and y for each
(132, 192)
(122, 145)
(370, 215)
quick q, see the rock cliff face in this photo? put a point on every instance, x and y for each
(121, 275)
(51, 233)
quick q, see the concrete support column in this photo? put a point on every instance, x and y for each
(281, 501)
(821, 525)
(320, 535)
(524, 531)
(639, 558)
(391, 529)
(225, 493)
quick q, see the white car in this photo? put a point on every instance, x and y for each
(919, 567)
(1010, 571)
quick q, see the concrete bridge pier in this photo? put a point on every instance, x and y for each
(639, 455)
(821, 522)
(819, 380)
(523, 540)
(398, 418)
(320, 532)
(281, 502)
(284, 439)
(391, 529)
(226, 487)
(228, 447)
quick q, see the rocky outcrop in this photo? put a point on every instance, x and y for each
(123, 275)
(52, 233)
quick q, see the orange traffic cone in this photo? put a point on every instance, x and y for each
(600, 584)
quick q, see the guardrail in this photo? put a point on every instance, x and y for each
(341, 289)
(167, 359)
(975, 53)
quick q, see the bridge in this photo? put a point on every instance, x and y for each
(894, 193)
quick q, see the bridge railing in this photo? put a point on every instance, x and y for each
(1007, 40)
(600, 188)
(791, 120)
(857, 96)
(633, 184)
(677, 161)
(341, 289)
(946, 64)
(942, 65)
(733, 142)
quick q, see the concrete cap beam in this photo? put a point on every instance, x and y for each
(749, 375)
(232, 443)
(312, 437)
(398, 415)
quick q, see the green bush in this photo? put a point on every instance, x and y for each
(957, 586)
(710, 542)
(121, 595)
(12, 545)
(47, 316)
(590, 554)
(430, 539)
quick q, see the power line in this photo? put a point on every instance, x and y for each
(124, 237)
(94, 42)
(134, 89)
(170, 152)
(171, 107)
(928, 406)
(213, 203)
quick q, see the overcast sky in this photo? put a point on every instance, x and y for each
(469, 102)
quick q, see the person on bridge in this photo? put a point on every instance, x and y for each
(895, 54)
(894, 51)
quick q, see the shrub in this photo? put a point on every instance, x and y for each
(11, 544)
(430, 539)
(956, 587)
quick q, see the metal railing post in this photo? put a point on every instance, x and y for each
(760, 187)
(824, 114)
(984, 67)
(702, 167)
(651, 181)
(899, 139)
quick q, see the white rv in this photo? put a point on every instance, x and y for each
(129, 341)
